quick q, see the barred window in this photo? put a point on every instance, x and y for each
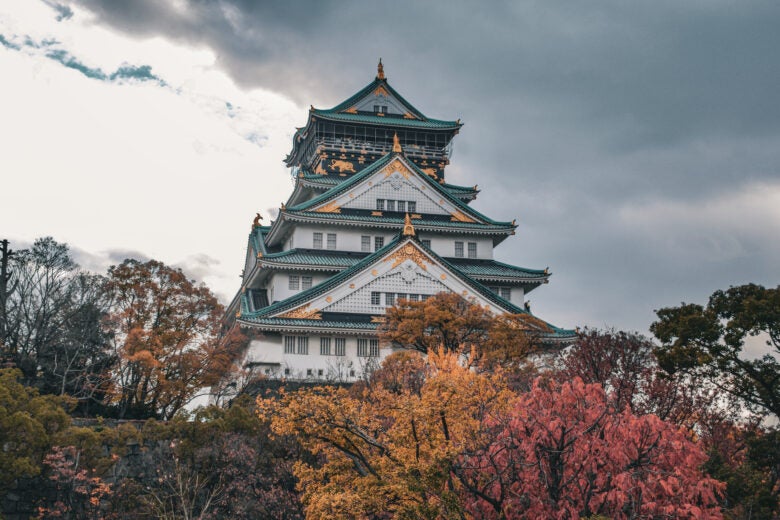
(331, 240)
(379, 243)
(362, 347)
(401, 205)
(303, 345)
(400, 296)
(472, 249)
(389, 298)
(390, 205)
(458, 249)
(426, 242)
(506, 293)
(373, 348)
(317, 242)
(365, 244)
(324, 346)
(294, 282)
(414, 297)
(341, 347)
(306, 282)
(380, 204)
(376, 298)
(411, 206)
(289, 344)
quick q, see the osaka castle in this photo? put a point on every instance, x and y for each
(371, 221)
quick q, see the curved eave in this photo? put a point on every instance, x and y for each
(381, 163)
(302, 325)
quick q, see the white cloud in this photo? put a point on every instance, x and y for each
(169, 171)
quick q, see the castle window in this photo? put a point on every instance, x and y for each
(401, 205)
(294, 282)
(373, 348)
(287, 371)
(389, 298)
(379, 242)
(324, 346)
(289, 345)
(331, 240)
(303, 345)
(458, 249)
(376, 298)
(362, 347)
(414, 297)
(411, 206)
(365, 244)
(319, 372)
(506, 293)
(472, 249)
(317, 241)
(341, 347)
(380, 204)
(308, 372)
(390, 205)
(426, 242)
(306, 282)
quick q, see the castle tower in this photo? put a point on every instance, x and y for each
(371, 220)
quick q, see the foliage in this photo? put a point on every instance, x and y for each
(564, 451)
(80, 493)
(52, 326)
(388, 448)
(709, 342)
(167, 338)
(27, 422)
(449, 321)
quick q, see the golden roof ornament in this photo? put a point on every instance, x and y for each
(408, 226)
(397, 144)
(256, 221)
(380, 70)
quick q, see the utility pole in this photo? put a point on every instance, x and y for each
(5, 290)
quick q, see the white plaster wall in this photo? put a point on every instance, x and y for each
(279, 284)
(346, 239)
(518, 296)
(349, 367)
(445, 245)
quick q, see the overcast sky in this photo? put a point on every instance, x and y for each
(637, 144)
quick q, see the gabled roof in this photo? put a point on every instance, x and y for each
(277, 310)
(381, 163)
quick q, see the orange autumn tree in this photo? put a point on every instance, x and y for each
(459, 325)
(167, 339)
(387, 448)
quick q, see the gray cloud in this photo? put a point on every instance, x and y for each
(608, 128)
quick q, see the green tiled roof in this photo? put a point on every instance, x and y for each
(489, 268)
(378, 164)
(385, 120)
(497, 227)
(319, 324)
(314, 258)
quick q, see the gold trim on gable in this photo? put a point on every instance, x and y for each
(330, 207)
(378, 319)
(408, 252)
(351, 110)
(303, 313)
(458, 216)
(397, 166)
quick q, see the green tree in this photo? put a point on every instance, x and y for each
(27, 423)
(709, 342)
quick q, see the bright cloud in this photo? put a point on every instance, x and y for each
(109, 161)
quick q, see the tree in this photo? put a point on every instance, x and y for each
(564, 451)
(387, 449)
(458, 325)
(167, 338)
(52, 322)
(27, 423)
(709, 341)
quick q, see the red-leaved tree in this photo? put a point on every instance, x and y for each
(565, 452)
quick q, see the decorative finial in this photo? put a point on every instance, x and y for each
(408, 226)
(546, 270)
(256, 221)
(380, 70)
(397, 143)
(283, 207)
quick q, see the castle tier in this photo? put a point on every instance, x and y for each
(371, 220)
